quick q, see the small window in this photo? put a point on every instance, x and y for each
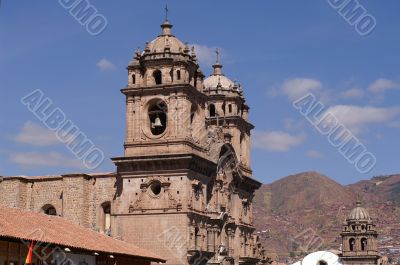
(198, 191)
(352, 242)
(196, 238)
(106, 217)
(193, 110)
(178, 75)
(49, 210)
(246, 207)
(364, 243)
(212, 110)
(155, 187)
(133, 79)
(157, 77)
(230, 108)
(322, 262)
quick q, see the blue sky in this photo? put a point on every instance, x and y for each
(275, 49)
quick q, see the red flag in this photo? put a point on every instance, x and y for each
(28, 259)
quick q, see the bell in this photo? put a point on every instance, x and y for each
(157, 122)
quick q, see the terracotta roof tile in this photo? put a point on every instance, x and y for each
(20, 224)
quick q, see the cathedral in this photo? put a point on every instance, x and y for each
(184, 187)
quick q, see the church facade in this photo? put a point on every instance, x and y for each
(184, 187)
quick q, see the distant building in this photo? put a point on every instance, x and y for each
(359, 243)
(359, 238)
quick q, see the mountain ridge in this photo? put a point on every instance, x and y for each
(310, 201)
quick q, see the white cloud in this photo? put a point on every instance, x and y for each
(382, 84)
(298, 87)
(353, 93)
(105, 65)
(315, 154)
(206, 55)
(51, 159)
(34, 134)
(293, 124)
(276, 141)
(355, 118)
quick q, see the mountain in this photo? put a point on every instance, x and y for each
(304, 212)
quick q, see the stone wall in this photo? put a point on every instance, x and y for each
(77, 197)
(166, 236)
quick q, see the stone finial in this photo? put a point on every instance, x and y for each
(138, 53)
(186, 50)
(147, 48)
(193, 54)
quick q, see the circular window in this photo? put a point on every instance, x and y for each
(155, 187)
(158, 117)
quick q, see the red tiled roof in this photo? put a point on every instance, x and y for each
(20, 224)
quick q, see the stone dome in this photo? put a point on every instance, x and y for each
(214, 80)
(218, 83)
(359, 213)
(166, 41)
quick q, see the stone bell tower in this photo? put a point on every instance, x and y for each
(227, 109)
(185, 186)
(359, 238)
(164, 103)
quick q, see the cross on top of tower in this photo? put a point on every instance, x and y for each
(166, 12)
(217, 53)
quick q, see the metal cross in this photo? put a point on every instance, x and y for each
(166, 12)
(217, 52)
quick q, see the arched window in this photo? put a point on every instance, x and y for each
(352, 243)
(212, 110)
(133, 79)
(49, 209)
(178, 75)
(157, 77)
(193, 110)
(106, 207)
(223, 108)
(158, 117)
(364, 243)
(230, 108)
(322, 262)
(197, 191)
